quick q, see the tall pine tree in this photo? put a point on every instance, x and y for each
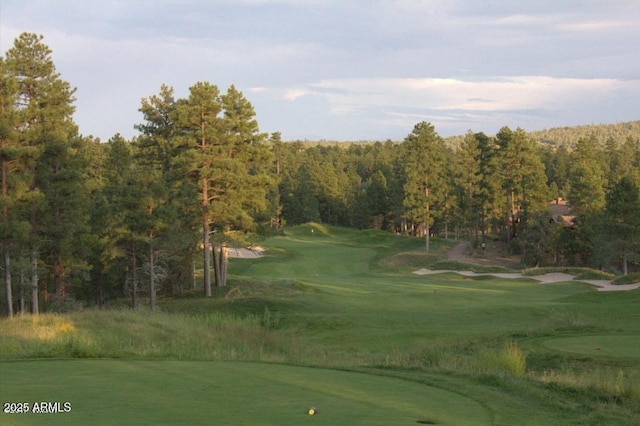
(43, 119)
(424, 188)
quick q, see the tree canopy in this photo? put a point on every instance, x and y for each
(91, 220)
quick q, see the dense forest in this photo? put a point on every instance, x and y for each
(86, 221)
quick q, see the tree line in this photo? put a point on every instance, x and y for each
(85, 220)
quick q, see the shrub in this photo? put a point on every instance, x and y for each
(514, 359)
(63, 303)
(628, 279)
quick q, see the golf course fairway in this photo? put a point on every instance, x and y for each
(625, 346)
(130, 392)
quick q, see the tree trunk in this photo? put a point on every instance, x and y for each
(207, 264)
(427, 237)
(152, 278)
(509, 217)
(224, 261)
(7, 281)
(5, 246)
(193, 284)
(21, 293)
(35, 308)
(134, 278)
(625, 259)
(220, 265)
(57, 276)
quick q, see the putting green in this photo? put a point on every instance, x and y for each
(627, 345)
(197, 392)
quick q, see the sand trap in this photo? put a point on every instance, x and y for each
(556, 277)
(245, 252)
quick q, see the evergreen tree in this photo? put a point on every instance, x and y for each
(587, 179)
(166, 162)
(377, 199)
(522, 176)
(620, 230)
(63, 180)
(275, 198)
(424, 169)
(230, 163)
(11, 165)
(42, 116)
(467, 178)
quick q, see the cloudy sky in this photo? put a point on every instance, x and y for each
(348, 69)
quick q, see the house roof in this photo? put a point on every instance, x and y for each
(561, 212)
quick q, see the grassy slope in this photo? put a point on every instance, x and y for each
(343, 298)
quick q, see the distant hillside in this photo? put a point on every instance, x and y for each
(557, 136)
(568, 136)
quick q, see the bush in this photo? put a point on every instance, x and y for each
(627, 279)
(63, 303)
(579, 273)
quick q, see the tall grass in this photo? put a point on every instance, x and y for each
(605, 383)
(128, 334)
(463, 357)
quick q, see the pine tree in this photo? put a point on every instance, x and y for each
(243, 175)
(167, 194)
(522, 176)
(467, 179)
(197, 118)
(424, 169)
(43, 116)
(10, 165)
(621, 222)
(587, 179)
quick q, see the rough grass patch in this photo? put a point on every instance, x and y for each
(408, 259)
(514, 359)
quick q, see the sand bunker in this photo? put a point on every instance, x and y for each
(556, 277)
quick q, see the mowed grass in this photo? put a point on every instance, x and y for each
(343, 299)
(598, 345)
(348, 301)
(124, 392)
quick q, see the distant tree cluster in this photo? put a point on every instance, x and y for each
(89, 220)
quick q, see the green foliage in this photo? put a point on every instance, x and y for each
(627, 279)
(47, 163)
(580, 273)
(322, 299)
(83, 217)
(424, 173)
(566, 137)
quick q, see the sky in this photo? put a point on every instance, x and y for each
(347, 69)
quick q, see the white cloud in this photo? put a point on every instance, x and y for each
(451, 103)
(356, 68)
(494, 94)
(591, 26)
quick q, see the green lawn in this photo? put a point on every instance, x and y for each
(624, 346)
(336, 319)
(227, 393)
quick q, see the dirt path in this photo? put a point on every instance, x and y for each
(491, 257)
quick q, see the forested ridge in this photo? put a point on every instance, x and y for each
(86, 221)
